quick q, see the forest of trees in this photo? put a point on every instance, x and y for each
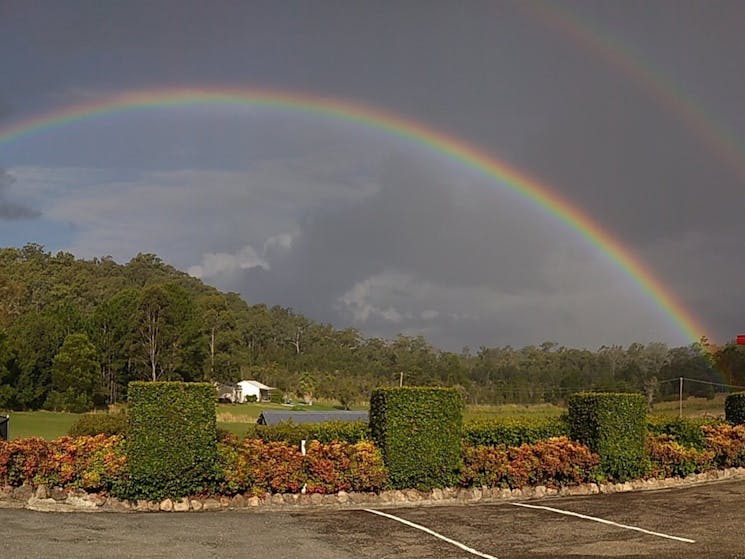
(74, 332)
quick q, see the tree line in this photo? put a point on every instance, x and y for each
(74, 332)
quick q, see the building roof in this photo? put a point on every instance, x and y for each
(257, 384)
(272, 417)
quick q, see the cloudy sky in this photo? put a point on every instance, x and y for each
(631, 111)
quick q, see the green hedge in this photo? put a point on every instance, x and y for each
(92, 424)
(615, 427)
(418, 430)
(171, 443)
(513, 432)
(686, 431)
(734, 408)
(293, 433)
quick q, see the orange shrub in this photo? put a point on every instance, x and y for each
(340, 466)
(554, 462)
(258, 467)
(92, 463)
(727, 442)
(669, 458)
(21, 459)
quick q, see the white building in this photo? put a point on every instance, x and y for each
(247, 388)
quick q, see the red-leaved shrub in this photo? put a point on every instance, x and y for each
(553, 462)
(257, 467)
(669, 458)
(91, 463)
(727, 442)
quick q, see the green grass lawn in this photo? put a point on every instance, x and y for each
(235, 417)
(45, 424)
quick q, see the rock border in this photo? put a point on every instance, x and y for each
(56, 499)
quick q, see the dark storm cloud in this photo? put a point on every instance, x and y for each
(11, 210)
(638, 149)
(419, 222)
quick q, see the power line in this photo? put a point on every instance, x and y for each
(686, 379)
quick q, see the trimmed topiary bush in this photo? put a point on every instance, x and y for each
(171, 441)
(91, 424)
(614, 426)
(734, 408)
(418, 430)
(513, 432)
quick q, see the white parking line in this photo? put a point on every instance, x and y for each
(603, 521)
(432, 533)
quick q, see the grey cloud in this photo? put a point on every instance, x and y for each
(459, 261)
(12, 210)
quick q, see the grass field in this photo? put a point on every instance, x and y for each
(236, 417)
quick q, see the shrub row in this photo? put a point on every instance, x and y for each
(480, 432)
(513, 432)
(92, 463)
(252, 466)
(686, 431)
(292, 433)
(553, 462)
(669, 458)
(727, 442)
(258, 467)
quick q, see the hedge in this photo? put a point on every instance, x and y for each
(418, 430)
(614, 426)
(669, 458)
(727, 442)
(686, 431)
(91, 463)
(258, 467)
(293, 433)
(171, 441)
(734, 408)
(99, 423)
(513, 432)
(553, 462)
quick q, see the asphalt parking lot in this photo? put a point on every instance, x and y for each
(703, 521)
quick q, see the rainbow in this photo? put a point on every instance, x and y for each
(537, 193)
(715, 137)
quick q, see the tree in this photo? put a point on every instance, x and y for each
(151, 326)
(75, 373)
(112, 334)
(168, 333)
(218, 326)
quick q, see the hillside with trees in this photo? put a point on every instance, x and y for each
(74, 332)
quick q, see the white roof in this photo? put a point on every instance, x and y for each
(257, 384)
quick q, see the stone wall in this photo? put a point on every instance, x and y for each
(53, 499)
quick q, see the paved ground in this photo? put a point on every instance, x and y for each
(713, 515)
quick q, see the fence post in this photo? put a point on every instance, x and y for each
(4, 421)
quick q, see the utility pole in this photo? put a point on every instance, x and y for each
(680, 398)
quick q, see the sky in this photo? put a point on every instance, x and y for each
(631, 112)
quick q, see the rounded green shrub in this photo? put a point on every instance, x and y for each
(91, 424)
